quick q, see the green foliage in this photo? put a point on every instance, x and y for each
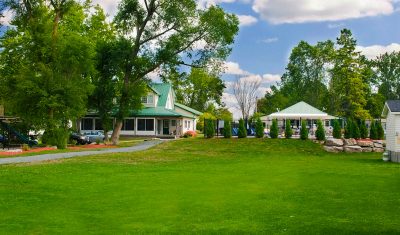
(363, 130)
(209, 131)
(356, 130)
(380, 134)
(349, 129)
(373, 131)
(56, 137)
(242, 133)
(320, 133)
(387, 78)
(259, 128)
(198, 89)
(274, 130)
(337, 130)
(303, 131)
(200, 123)
(288, 130)
(227, 129)
(46, 81)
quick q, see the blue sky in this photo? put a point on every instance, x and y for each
(271, 28)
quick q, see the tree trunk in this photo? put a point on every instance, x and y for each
(116, 132)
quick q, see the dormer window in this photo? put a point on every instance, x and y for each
(149, 99)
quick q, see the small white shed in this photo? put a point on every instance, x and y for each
(391, 112)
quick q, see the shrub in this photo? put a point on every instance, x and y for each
(189, 134)
(288, 130)
(363, 130)
(373, 132)
(273, 132)
(25, 147)
(209, 129)
(303, 131)
(348, 129)
(356, 131)
(242, 133)
(380, 134)
(337, 130)
(57, 137)
(227, 129)
(259, 128)
(320, 133)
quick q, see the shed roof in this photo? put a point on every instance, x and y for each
(301, 110)
(188, 109)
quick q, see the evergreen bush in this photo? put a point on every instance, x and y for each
(227, 129)
(373, 133)
(303, 131)
(363, 130)
(274, 131)
(356, 131)
(288, 130)
(209, 129)
(337, 130)
(242, 133)
(259, 128)
(56, 137)
(380, 134)
(348, 129)
(320, 133)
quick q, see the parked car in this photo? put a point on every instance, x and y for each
(79, 138)
(95, 136)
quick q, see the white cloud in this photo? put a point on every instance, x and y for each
(300, 11)
(208, 3)
(371, 52)
(270, 78)
(6, 19)
(270, 40)
(233, 68)
(335, 26)
(109, 6)
(247, 20)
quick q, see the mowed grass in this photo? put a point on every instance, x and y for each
(205, 186)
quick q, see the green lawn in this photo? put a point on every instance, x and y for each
(205, 186)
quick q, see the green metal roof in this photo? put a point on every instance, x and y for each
(301, 108)
(188, 109)
(163, 91)
(157, 112)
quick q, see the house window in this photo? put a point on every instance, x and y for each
(145, 125)
(189, 123)
(98, 124)
(129, 125)
(173, 122)
(87, 124)
(185, 124)
(148, 99)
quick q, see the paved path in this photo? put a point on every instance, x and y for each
(45, 157)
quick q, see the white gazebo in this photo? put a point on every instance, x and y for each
(296, 113)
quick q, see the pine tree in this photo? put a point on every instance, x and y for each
(363, 130)
(303, 131)
(227, 129)
(380, 133)
(320, 133)
(337, 130)
(356, 131)
(259, 128)
(288, 130)
(373, 133)
(348, 129)
(209, 131)
(242, 129)
(273, 133)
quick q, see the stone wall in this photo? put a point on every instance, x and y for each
(354, 146)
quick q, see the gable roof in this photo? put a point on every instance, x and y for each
(393, 105)
(184, 107)
(301, 108)
(163, 90)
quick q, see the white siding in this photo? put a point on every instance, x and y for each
(155, 100)
(391, 132)
(170, 100)
(397, 141)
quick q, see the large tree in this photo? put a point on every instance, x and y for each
(246, 92)
(165, 34)
(387, 79)
(46, 60)
(198, 89)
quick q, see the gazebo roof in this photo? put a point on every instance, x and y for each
(301, 110)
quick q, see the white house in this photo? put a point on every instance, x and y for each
(161, 116)
(297, 113)
(391, 112)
